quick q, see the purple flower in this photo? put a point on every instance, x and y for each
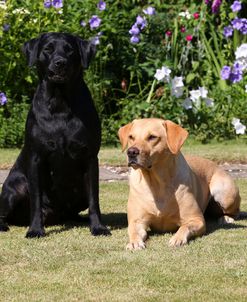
(6, 27)
(236, 6)
(134, 39)
(94, 22)
(237, 23)
(215, 6)
(47, 3)
(57, 3)
(149, 11)
(101, 5)
(236, 73)
(207, 2)
(3, 98)
(243, 28)
(225, 72)
(134, 30)
(141, 21)
(228, 31)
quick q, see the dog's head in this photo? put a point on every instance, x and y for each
(149, 141)
(59, 57)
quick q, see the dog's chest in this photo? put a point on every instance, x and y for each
(63, 136)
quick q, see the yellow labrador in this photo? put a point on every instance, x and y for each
(167, 191)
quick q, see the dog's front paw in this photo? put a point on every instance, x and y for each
(177, 241)
(4, 227)
(100, 230)
(136, 246)
(35, 233)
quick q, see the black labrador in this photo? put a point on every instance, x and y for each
(56, 174)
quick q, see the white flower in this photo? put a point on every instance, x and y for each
(21, 11)
(241, 51)
(187, 103)
(209, 102)
(203, 91)
(239, 127)
(149, 10)
(243, 62)
(163, 74)
(235, 121)
(195, 95)
(177, 82)
(3, 5)
(177, 86)
(241, 55)
(245, 88)
(185, 14)
(177, 92)
(95, 40)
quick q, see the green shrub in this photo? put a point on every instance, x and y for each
(121, 78)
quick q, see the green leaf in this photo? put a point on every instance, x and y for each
(195, 65)
(190, 77)
(29, 79)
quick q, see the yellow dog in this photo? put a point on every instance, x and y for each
(167, 191)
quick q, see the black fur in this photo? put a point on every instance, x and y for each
(56, 174)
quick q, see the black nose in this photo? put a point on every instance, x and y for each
(60, 62)
(133, 152)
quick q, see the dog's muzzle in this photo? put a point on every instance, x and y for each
(57, 70)
(135, 160)
(133, 153)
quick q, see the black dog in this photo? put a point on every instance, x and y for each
(56, 174)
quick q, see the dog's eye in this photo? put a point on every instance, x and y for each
(131, 137)
(152, 137)
(49, 48)
(68, 49)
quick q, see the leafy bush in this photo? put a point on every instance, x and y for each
(187, 38)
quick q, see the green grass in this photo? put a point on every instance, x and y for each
(71, 265)
(228, 151)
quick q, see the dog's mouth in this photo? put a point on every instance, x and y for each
(57, 77)
(136, 165)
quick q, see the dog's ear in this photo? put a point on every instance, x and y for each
(30, 50)
(87, 51)
(123, 134)
(175, 136)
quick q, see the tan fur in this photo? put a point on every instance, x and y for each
(167, 191)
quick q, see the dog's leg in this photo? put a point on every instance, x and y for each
(92, 187)
(226, 195)
(14, 190)
(5, 201)
(191, 229)
(36, 228)
(137, 236)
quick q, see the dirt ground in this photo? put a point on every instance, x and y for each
(113, 173)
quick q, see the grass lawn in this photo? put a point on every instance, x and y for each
(228, 151)
(71, 265)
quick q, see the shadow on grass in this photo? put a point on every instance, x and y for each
(212, 225)
(113, 220)
(117, 221)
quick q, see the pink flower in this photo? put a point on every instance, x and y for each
(168, 33)
(189, 38)
(196, 15)
(183, 29)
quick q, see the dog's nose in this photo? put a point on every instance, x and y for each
(133, 152)
(60, 62)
